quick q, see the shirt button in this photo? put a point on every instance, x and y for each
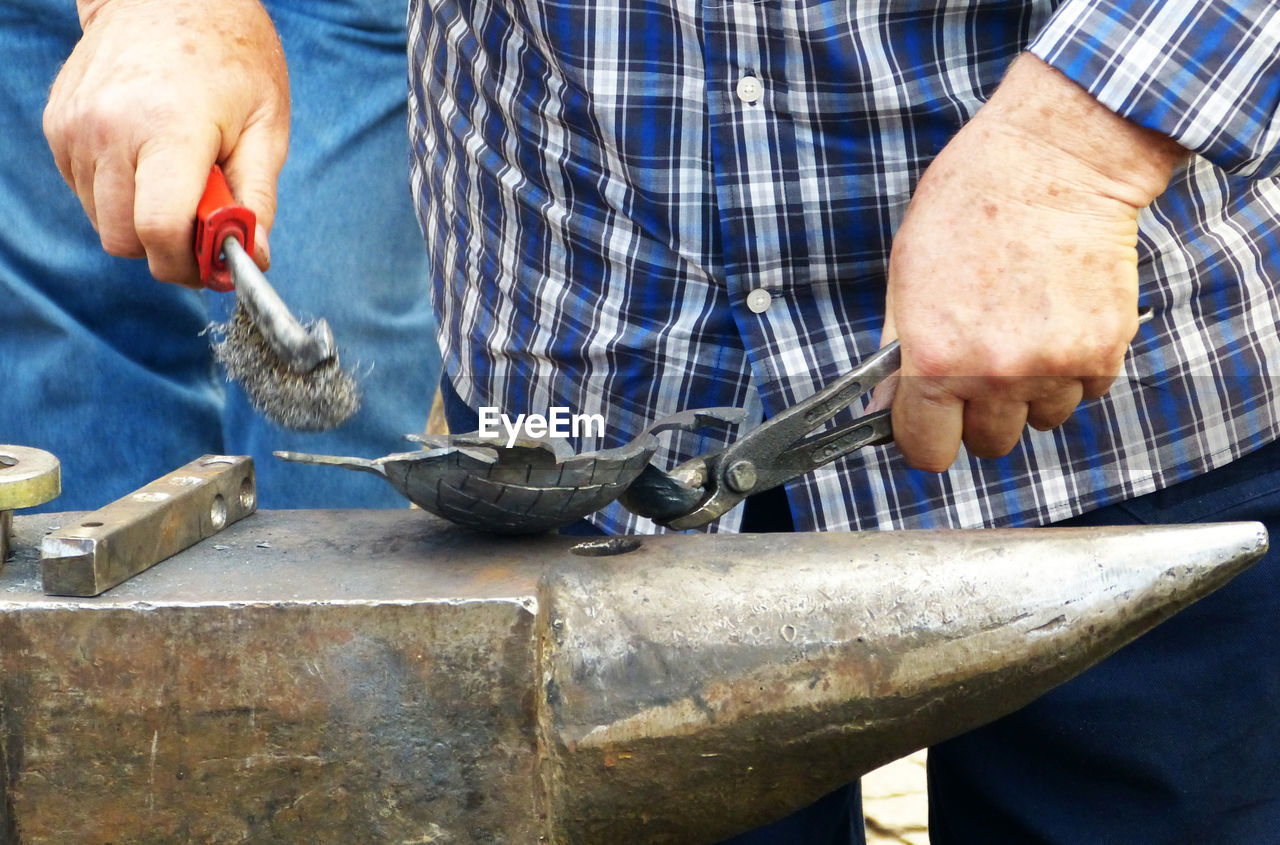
(750, 90)
(758, 300)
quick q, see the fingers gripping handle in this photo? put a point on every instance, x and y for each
(217, 217)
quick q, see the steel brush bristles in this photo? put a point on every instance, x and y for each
(316, 401)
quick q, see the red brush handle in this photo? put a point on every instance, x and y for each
(218, 216)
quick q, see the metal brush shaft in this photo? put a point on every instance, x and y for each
(299, 349)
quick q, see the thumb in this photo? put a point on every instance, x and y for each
(882, 395)
(888, 332)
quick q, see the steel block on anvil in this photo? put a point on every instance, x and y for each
(381, 676)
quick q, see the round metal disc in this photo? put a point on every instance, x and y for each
(28, 477)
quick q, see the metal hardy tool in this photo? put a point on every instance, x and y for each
(28, 477)
(289, 371)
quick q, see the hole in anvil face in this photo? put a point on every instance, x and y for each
(606, 547)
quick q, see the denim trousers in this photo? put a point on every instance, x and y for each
(108, 370)
(1173, 739)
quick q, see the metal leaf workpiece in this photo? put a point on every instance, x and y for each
(526, 488)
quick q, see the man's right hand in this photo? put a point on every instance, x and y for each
(1013, 279)
(155, 92)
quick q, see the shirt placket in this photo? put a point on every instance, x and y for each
(753, 156)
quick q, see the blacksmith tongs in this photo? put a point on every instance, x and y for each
(774, 452)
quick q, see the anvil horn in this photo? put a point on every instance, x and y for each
(696, 693)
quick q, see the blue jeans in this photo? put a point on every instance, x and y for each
(1174, 739)
(106, 368)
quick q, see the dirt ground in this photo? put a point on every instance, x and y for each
(894, 803)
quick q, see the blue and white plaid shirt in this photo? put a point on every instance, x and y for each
(641, 206)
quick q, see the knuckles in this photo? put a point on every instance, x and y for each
(157, 237)
(157, 231)
(991, 363)
(120, 242)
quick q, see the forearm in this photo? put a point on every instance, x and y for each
(87, 9)
(1200, 71)
(1134, 164)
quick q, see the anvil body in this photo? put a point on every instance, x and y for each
(382, 676)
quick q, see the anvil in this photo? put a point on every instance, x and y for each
(383, 676)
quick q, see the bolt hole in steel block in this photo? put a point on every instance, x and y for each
(218, 513)
(248, 494)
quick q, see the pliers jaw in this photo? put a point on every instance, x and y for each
(781, 448)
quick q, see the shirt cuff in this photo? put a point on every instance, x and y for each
(1204, 72)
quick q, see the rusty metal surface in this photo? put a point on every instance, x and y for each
(323, 676)
(104, 548)
(382, 676)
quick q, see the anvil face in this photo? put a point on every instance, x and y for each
(363, 676)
